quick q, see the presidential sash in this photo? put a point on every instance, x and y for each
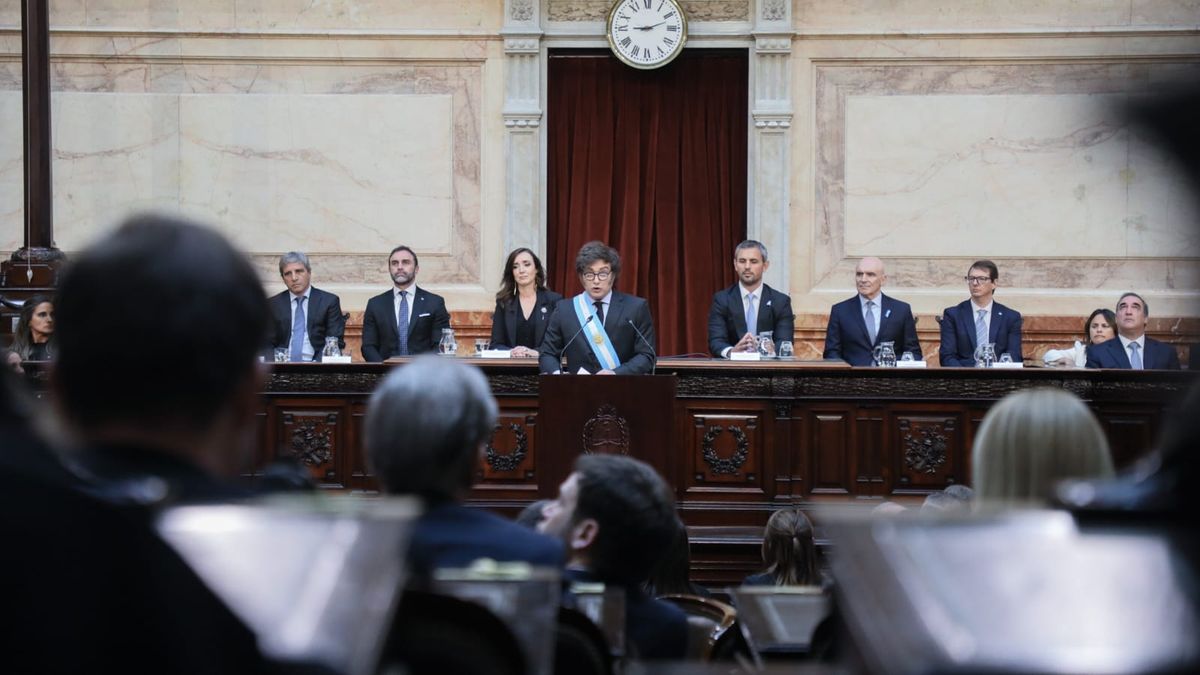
(601, 345)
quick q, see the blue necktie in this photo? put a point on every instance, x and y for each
(870, 319)
(1135, 358)
(298, 324)
(402, 326)
(751, 315)
(981, 331)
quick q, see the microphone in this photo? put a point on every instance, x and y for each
(564, 349)
(654, 354)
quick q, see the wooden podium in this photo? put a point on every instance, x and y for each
(617, 414)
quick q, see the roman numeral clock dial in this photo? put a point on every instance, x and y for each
(646, 33)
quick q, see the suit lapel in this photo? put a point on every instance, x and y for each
(998, 316)
(733, 300)
(861, 322)
(314, 301)
(540, 312)
(885, 314)
(511, 317)
(966, 322)
(417, 308)
(1121, 354)
(616, 310)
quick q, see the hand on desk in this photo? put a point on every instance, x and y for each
(523, 353)
(606, 371)
(748, 343)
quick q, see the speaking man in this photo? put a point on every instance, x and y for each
(749, 307)
(599, 331)
(1131, 349)
(303, 315)
(405, 320)
(979, 320)
(858, 325)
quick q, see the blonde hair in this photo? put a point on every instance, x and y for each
(1033, 439)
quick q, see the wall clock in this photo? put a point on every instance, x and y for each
(646, 33)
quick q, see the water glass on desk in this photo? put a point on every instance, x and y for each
(281, 355)
(481, 346)
(447, 346)
(786, 351)
(766, 346)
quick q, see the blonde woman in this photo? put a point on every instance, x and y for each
(1033, 439)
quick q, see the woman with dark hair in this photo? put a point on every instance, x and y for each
(523, 305)
(35, 330)
(788, 551)
(1101, 326)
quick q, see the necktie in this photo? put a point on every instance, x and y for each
(599, 311)
(871, 332)
(402, 326)
(751, 314)
(1135, 359)
(981, 331)
(298, 324)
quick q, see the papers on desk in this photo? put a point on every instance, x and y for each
(335, 359)
(910, 364)
(1011, 366)
(744, 356)
(495, 354)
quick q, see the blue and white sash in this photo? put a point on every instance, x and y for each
(601, 345)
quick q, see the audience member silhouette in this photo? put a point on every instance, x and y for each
(951, 499)
(672, 573)
(788, 551)
(616, 517)
(1033, 439)
(427, 428)
(531, 515)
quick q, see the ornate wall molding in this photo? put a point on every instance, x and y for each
(524, 217)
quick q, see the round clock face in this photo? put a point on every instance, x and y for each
(646, 33)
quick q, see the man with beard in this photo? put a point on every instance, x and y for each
(405, 320)
(868, 319)
(742, 311)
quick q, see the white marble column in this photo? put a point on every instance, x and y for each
(770, 157)
(523, 217)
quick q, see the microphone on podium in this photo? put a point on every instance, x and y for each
(564, 349)
(653, 353)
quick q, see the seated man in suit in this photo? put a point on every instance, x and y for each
(405, 320)
(427, 428)
(857, 325)
(1131, 348)
(616, 518)
(600, 330)
(303, 315)
(979, 320)
(742, 311)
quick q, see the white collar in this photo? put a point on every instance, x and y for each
(757, 292)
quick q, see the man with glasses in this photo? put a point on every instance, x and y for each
(979, 320)
(742, 311)
(599, 331)
(1131, 349)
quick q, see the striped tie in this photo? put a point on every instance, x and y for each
(981, 331)
(751, 315)
(402, 325)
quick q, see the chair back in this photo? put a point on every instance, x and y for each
(442, 635)
(579, 645)
(708, 620)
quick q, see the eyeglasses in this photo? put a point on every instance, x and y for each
(602, 275)
(977, 280)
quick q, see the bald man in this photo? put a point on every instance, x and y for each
(858, 325)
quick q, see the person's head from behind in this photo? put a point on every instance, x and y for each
(616, 517)
(1033, 439)
(159, 325)
(427, 425)
(788, 549)
(1101, 326)
(952, 499)
(672, 573)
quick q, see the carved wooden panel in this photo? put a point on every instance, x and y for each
(313, 436)
(830, 436)
(1131, 431)
(361, 476)
(509, 464)
(726, 450)
(927, 452)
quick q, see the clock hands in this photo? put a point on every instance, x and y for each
(656, 25)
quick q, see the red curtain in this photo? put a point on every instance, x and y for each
(654, 164)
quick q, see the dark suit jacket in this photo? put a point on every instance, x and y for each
(1112, 354)
(323, 312)
(655, 629)
(452, 535)
(727, 319)
(958, 334)
(846, 335)
(636, 356)
(504, 320)
(429, 317)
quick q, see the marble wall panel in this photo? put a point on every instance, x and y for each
(872, 16)
(342, 160)
(696, 10)
(268, 15)
(12, 170)
(934, 165)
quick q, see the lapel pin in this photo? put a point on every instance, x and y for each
(768, 303)
(887, 314)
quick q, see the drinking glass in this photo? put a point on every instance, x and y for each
(331, 347)
(281, 355)
(1006, 358)
(786, 351)
(766, 346)
(447, 345)
(907, 356)
(481, 346)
